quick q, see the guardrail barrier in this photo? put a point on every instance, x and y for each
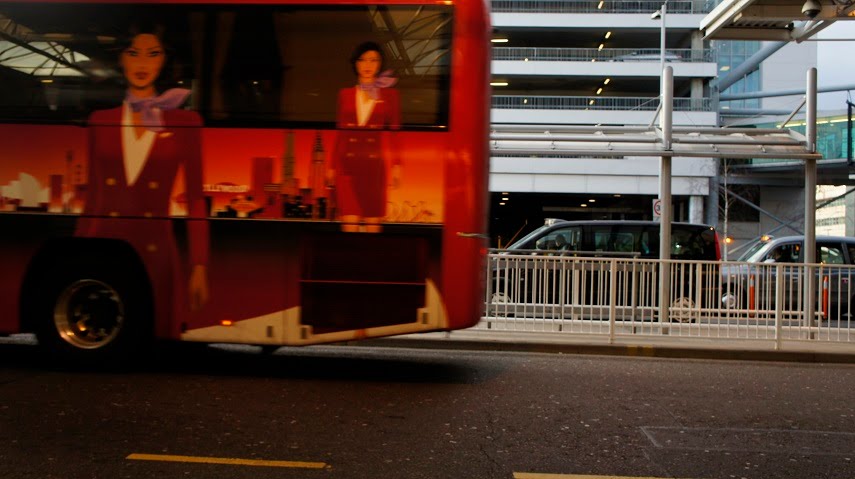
(619, 296)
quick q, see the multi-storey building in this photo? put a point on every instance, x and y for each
(591, 62)
(580, 62)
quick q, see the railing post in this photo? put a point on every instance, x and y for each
(699, 278)
(489, 290)
(612, 299)
(779, 303)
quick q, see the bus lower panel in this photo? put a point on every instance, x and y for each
(330, 307)
(358, 281)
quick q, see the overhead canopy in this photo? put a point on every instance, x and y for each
(781, 20)
(38, 55)
(594, 141)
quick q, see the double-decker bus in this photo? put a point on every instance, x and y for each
(269, 172)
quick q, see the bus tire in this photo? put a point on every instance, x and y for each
(92, 313)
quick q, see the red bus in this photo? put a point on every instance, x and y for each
(269, 172)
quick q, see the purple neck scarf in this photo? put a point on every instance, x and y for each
(152, 107)
(383, 80)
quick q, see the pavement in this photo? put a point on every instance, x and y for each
(648, 346)
(634, 346)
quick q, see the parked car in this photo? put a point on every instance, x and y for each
(750, 282)
(787, 249)
(629, 238)
(533, 285)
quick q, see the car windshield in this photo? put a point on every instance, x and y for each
(749, 254)
(519, 244)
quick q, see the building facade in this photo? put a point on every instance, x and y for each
(576, 62)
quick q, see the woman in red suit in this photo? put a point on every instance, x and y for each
(358, 165)
(135, 151)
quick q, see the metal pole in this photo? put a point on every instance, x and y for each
(849, 106)
(666, 119)
(662, 51)
(665, 125)
(810, 198)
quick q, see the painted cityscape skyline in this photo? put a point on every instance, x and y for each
(253, 186)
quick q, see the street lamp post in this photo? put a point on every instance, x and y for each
(660, 14)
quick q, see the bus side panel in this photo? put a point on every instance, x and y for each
(467, 167)
(23, 236)
(38, 168)
(238, 206)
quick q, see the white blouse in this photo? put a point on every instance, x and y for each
(135, 149)
(364, 107)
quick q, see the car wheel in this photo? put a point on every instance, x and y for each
(682, 310)
(92, 314)
(500, 305)
(500, 298)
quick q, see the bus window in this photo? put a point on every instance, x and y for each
(247, 65)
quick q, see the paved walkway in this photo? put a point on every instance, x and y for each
(664, 347)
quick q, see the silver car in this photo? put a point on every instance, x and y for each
(750, 281)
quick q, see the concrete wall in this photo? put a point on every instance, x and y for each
(601, 69)
(787, 70)
(690, 176)
(786, 203)
(610, 21)
(594, 117)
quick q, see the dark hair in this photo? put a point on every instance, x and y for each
(167, 77)
(367, 47)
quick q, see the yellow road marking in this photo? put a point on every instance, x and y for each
(537, 475)
(227, 460)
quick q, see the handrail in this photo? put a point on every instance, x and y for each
(596, 6)
(686, 55)
(533, 102)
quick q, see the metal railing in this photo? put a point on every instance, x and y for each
(686, 55)
(597, 6)
(531, 102)
(619, 296)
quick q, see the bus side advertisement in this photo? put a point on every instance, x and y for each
(279, 173)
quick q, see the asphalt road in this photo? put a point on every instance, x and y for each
(363, 412)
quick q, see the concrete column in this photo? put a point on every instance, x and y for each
(697, 43)
(849, 215)
(711, 203)
(696, 209)
(696, 93)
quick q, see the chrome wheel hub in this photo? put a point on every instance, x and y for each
(89, 314)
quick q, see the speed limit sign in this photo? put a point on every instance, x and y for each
(657, 208)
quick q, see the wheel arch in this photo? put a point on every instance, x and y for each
(69, 250)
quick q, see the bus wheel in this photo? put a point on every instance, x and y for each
(681, 310)
(91, 314)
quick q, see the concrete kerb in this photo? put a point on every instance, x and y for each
(666, 347)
